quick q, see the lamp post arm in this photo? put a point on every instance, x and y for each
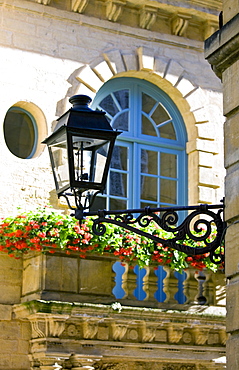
(200, 225)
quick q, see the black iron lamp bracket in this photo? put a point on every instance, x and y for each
(201, 225)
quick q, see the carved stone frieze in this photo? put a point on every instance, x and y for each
(90, 328)
(119, 330)
(148, 333)
(45, 325)
(153, 16)
(201, 335)
(175, 334)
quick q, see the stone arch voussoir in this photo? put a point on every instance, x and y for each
(89, 78)
(175, 81)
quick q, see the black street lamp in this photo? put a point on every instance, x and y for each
(81, 148)
(80, 151)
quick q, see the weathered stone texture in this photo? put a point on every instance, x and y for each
(230, 9)
(222, 53)
(49, 52)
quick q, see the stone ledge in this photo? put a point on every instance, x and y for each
(222, 48)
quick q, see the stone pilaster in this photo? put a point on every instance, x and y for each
(222, 52)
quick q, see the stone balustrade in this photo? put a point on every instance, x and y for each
(101, 279)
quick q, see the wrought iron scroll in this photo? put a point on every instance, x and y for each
(201, 225)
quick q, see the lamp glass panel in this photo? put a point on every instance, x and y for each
(60, 163)
(100, 162)
(90, 156)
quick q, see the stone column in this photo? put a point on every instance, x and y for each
(222, 52)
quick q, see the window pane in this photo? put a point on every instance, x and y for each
(160, 115)
(147, 103)
(109, 105)
(122, 122)
(167, 131)
(118, 184)
(116, 204)
(149, 162)
(168, 191)
(122, 97)
(19, 133)
(99, 203)
(147, 127)
(168, 165)
(119, 159)
(149, 188)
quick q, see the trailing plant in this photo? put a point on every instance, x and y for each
(45, 231)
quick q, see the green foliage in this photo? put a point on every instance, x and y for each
(46, 231)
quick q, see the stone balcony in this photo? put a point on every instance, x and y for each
(94, 313)
(101, 279)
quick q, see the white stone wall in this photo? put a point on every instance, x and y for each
(48, 55)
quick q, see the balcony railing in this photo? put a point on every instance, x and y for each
(101, 279)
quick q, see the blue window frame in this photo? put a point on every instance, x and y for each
(149, 163)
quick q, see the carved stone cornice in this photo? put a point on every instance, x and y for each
(222, 48)
(90, 323)
(160, 16)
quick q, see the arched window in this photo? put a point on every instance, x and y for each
(149, 164)
(149, 161)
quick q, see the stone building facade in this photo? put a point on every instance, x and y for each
(221, 50)
(53, 313)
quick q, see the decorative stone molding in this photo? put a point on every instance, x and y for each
(114, 9)
(151, 16)
(201, 336)
(90, 329)
(47, 325)
(90, 322)
(119, 330)
(147, 17)
(79, 5)
(72, 337)
(180, 24)
(148, 333)
(175, 333)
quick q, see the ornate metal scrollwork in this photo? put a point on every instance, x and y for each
(201, 225)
